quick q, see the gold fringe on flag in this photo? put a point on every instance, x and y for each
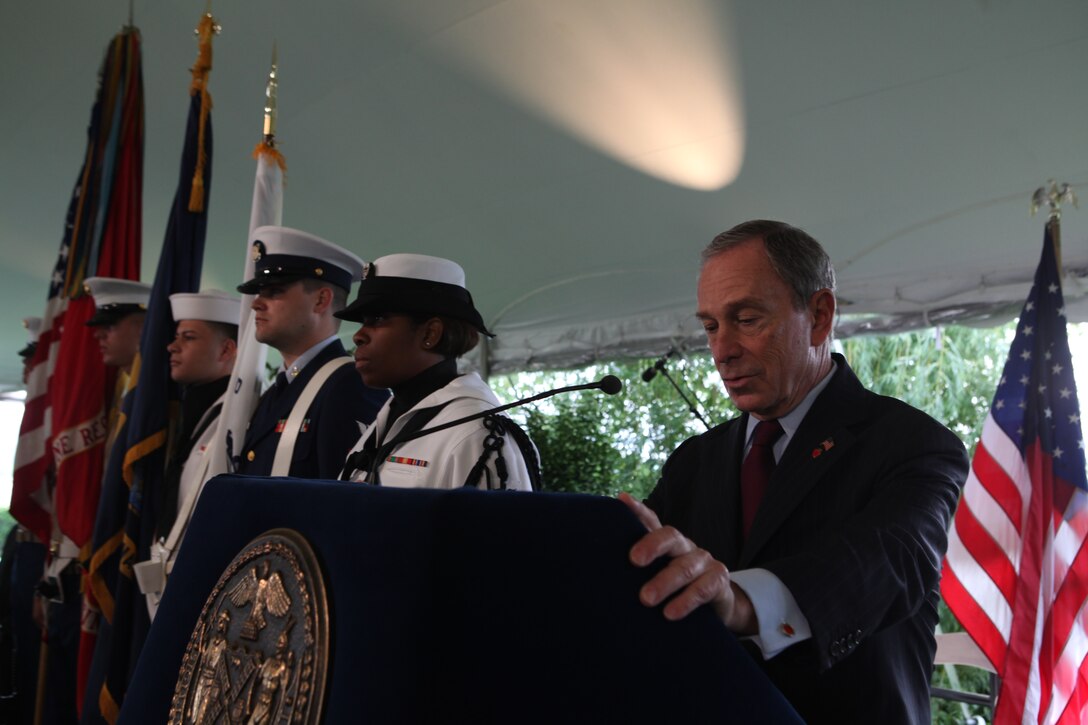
(267, 149)
(200, 71)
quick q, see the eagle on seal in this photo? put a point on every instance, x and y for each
(265, 592)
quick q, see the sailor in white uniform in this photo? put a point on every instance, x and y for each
(201, 359)
(417, 318)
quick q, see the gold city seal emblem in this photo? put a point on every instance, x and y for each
(259, 652)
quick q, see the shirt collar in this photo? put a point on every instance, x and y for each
(304, 359)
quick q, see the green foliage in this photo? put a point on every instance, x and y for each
(950, 373)
(595, 443)
(578, 458)
(7, 523)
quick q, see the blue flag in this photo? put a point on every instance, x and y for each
(124, 511)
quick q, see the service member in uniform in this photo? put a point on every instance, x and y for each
(201, 359)
(417, 318)
(118, 320)
(120, 308)
(306, 422)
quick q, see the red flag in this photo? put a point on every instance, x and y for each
(1016, 572)
(69, 389)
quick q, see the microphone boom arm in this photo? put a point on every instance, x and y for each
(609, 384)
(660, 368)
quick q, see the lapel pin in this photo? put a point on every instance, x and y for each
(827, 445)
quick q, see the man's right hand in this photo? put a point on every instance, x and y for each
(692, 575)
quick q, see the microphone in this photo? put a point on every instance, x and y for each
(659, 367)
(649, 373)
(609, 385)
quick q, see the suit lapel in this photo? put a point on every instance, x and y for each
(726, 497)
(825, 434)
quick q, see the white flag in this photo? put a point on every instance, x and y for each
(247, 378)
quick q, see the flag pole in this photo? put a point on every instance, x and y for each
(247, 378)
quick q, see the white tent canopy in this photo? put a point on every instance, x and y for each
(575, 155)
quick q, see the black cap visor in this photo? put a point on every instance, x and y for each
(286, 268)
(254, 285)
(405, 295)
(112, 314)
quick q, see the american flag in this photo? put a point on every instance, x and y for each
(30, 503)
(1016, 572)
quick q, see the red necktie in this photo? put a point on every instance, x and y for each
(755, 472)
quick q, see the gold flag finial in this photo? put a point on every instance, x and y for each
(270, 91)
(267, 145)
(1051, 196)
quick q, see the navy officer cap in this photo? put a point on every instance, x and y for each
(282, 255)
(115, 299)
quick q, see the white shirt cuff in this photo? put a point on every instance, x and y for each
(781, 623)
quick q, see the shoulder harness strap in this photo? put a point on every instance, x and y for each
(498, 427)
(285, 448)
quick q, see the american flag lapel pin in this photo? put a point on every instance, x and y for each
(827, 445)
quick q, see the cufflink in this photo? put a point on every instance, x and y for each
(787, 629)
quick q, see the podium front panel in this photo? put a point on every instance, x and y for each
(466, 606)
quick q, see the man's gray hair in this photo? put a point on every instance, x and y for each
(795, 256)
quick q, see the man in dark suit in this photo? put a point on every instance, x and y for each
(306, 423)
(816, 522)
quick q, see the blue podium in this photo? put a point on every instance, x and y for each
(466, 606)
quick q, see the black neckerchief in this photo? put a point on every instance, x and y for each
(408, 394)
(195, 402)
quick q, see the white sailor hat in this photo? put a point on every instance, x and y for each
(33, 327)
(115, 298)
(209, 306)
(414, 284)
(282, 255)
